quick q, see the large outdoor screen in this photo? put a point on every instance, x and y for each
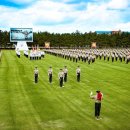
(21, 34)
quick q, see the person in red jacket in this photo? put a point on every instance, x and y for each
(98, 98)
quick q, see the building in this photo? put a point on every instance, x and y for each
(116, 32)
(104, 32)
(111, 32)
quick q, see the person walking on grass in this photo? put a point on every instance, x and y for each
(36, 74)
(65, 73)
(98, 98)
(78, 70)
(50, 74)
(61, 77)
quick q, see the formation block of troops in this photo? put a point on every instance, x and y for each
(33, 54)
(90, 55)
(36, 54)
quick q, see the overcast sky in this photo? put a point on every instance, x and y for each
(65, 16)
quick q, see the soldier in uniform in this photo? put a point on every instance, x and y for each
(89, 59)
(78, 73)
(82, 57)
(100, 55)
(61, 77)
(108, 56)
(70, 56)
(76, 57)
(123, 56)
(120, 57)
(116, 56)
(127, 59)
(50, 74)
(104, 56)
(73, 57)
(36, 74)
(93, 58)
(112, 55)
(65, 73)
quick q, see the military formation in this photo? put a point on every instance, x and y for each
(86, 55)
(62, 75)
(90, 55)
(36, 54)
(32, 54)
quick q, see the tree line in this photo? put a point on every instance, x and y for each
(75, 39)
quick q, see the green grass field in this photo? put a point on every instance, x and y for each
(28, 106)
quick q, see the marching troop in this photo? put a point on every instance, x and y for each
(32, 54)
(90, 55)
(36, 54)
(62, 75)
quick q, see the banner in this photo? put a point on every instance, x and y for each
(47, 44)
(93, 45)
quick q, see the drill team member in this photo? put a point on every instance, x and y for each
(78, 74)
(65, 74)
(36, 74)
(61, 77)
(50, 74)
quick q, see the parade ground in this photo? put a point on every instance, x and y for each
(25, 105)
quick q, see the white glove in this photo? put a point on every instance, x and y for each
(91, 93)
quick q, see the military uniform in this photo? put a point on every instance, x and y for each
(127, 59)
(104, 56)
(36, 74)
(78, 74)
(89, 59)
(50, 74)
(65, 74)
(61, 77)
(112, 57)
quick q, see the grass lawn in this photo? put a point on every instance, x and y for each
(28, 106)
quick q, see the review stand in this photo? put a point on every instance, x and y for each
(21, 46)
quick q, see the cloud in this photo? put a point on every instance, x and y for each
(41, 12)
(123, 26)
(59, 16)
(118, 4)
(21, 1)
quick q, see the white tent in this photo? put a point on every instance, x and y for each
(21, 46)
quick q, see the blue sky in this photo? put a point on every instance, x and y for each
(65, 16)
